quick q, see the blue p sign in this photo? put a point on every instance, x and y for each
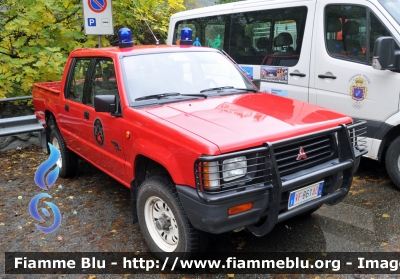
(91, 21)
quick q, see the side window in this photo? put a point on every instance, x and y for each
(76, 83)
(346, 30)
(264, 37)
(206, 31)
(214, 35)
(268, 37)
(103, 80)
(377, 30)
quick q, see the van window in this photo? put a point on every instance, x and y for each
(266, 37)
(214, 34)
(206, 31)
(377, 30)
(347, 28)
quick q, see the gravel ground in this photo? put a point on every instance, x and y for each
(96, 217)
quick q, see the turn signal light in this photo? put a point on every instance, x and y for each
(240, 208)
(210, 175)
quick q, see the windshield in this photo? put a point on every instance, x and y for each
(180, 72)
(392, 7)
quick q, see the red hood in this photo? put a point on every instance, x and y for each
(240, 121)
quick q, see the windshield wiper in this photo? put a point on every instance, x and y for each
(247, 89)
(159, 96)
(228, 87)
(216, 88)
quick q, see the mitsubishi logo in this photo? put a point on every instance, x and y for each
(302, 154)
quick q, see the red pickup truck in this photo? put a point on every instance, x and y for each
(201, 149)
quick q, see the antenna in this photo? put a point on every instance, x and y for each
(157, 41)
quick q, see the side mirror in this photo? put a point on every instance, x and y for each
(385, 57)
(105, 103)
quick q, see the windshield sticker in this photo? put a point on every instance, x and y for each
(216, 43)
(274, 74)
(248, 71)
(197, 42)
(358, 89)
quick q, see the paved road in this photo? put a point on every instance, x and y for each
(96, 217)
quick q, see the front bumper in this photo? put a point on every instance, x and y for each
(208, 211)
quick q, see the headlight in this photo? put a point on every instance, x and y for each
(234, 168)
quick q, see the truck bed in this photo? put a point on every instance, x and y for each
(54, 86)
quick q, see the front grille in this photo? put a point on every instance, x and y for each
(258, 172)
(290, 157)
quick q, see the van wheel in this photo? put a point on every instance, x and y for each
(68, 161)
(162, 219)
(392, 161)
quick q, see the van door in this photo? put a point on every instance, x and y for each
(342, 74)
(273, 41)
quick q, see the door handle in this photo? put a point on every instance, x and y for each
(297, 74)
(326, 76)
(66, 107)
(86, 114)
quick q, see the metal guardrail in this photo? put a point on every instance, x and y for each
(21, 124)
(15, 99)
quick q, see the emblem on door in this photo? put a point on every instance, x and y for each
(358, 89)
(98, 132)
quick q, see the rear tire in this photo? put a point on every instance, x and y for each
(68, 162)
(392, 161)
(163, 221)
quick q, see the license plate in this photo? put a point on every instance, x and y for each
(305, 194)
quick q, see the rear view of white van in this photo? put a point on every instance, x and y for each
(343, 56)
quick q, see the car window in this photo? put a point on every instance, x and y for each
(103, 80)
(77, 78)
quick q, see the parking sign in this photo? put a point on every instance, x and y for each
(98, 18)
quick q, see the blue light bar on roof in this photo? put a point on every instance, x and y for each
(186, 36)
(125, 38)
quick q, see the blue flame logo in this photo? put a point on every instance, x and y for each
(50, 179)
(45, 166)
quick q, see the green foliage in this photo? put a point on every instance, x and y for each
(227, 1)
(191, 4)
(37, 36)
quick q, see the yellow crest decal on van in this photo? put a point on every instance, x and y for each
(358, 88)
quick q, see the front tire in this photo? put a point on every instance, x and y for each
(162, 219)
(392, 161)
(68, 162)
